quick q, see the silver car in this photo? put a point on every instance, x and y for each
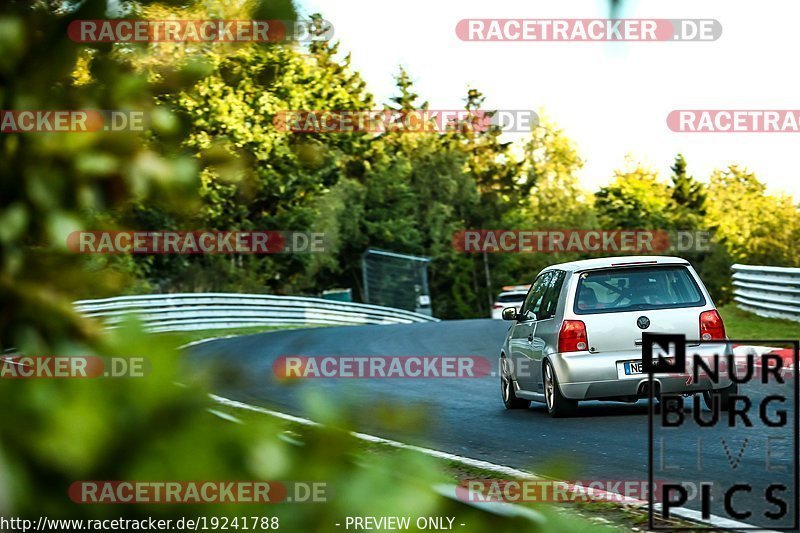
(578, 334)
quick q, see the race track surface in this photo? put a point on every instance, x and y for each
(605, 441)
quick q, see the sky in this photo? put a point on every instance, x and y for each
(612, 99)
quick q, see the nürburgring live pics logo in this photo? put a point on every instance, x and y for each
(754, 484)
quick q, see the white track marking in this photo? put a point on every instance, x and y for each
(687, 514)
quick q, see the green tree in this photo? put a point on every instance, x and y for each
(689, 209)
(416, 192)
(256, 175)
(755, 226)
(636, 199)
(406, 99)
(492, 165)
(556, 201)
(688, 195)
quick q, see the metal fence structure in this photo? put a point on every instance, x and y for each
(199, 311)
(767, 291)
(396, 280)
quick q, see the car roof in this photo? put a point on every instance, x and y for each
(623, 260)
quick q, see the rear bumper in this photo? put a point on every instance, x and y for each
(585, 376)
(591, 390)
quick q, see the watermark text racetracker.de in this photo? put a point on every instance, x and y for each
(572, 240)
(198, 492)
(70, 121)
(377, 366)
(588, 30)
(554, 491)
(195, 242)
(208, 31)
(734, 121)
(405, 121)
(72, 367)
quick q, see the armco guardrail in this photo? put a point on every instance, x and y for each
(196, 311)
(768, 291)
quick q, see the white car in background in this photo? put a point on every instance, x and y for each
(512, 296)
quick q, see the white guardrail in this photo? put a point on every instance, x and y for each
(767, 291)
(198, 311)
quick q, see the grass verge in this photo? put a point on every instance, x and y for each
(744, 325)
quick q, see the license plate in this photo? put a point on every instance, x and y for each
(633, 367)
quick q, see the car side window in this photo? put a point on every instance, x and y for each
(550, 301)
(534, 300)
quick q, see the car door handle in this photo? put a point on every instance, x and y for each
(530, 337)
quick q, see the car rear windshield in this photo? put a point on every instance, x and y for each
(636, 289)
(511, 297)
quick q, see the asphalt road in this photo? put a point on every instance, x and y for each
(605, 441)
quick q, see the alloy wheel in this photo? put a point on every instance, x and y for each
(548, 385)
(505, 382)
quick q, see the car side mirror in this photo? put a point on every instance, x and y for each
(510, 313)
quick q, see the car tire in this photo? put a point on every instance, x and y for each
(724, 397)
(510, 399)
(557, 405)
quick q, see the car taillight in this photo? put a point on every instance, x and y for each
(711, 326)
(572, 337)
(497, 306)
